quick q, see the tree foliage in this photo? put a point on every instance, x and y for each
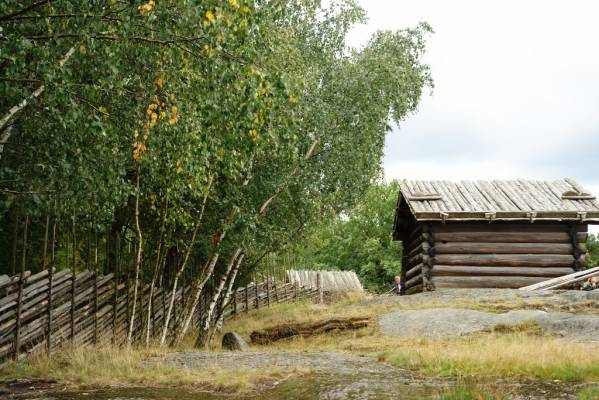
(168, 125)
(357, 240)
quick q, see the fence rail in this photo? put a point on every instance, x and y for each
(47, 310)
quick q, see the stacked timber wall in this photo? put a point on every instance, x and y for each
(45, 311)
(498, 255)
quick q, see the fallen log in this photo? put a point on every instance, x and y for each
(285, 331)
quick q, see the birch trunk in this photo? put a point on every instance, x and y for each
(206, 271)
(219, 320)
(203, 336)
(198, 285)
(7, 132)
(171, 304)
(159, 258)
(137, 260)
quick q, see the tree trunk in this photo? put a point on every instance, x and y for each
(168, 315)
(159, 258)
(7, 132)
(207, 321)
(219, 320)
(137, 259)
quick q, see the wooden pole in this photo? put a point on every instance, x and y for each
(73, 277)
(247, 302)
(257, 294)
(15, 238)
(319, 286)
(234, 301)
(267, 290)
(96, 290)
(17, 344)
(50, 292)
(115, 298)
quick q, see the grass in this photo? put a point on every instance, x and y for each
(516, 352)
(465, 393)
(588, 394)
(519, 351)
(108, 366)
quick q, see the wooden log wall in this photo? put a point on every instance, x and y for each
(47, 310)
(506, 255)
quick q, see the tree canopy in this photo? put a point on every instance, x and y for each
(194, 133)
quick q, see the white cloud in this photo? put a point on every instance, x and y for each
(516, 89)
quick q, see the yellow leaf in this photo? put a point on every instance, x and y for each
(209, 15)
(82, 49)
(159, 81)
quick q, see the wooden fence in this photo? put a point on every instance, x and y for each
(44, 311)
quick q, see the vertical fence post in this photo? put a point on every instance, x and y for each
(45, 265)
(247, 302)
(50, 290)
(115, 299)
(319, 286)
(96, 269)
(234, 301)
(73, 277)
(15, 239)
(21, 283)
(257, 294)
(17, 342)
(267, 291)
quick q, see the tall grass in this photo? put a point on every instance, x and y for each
(109, 366)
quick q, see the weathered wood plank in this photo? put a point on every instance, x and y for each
(503, 248)
(443, 282)
(514, 260)
(508, 237)
(468, 270)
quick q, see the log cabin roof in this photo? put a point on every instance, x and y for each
(507, 200)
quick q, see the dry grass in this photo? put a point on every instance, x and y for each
(519, 351)
(90, 366)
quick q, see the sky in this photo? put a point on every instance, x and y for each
(516, 90)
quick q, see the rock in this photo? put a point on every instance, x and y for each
(441, 322)
(232, 341)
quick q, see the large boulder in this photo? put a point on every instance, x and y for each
(232, 341)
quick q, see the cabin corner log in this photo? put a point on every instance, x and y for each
(285, 331)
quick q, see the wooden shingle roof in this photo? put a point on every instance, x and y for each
(559, 200)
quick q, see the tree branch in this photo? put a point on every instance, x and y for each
(23, 10)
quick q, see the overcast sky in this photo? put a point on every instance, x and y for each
(516, 90)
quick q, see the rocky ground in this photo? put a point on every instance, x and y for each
(544, 308)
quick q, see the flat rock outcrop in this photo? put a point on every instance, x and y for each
(444, 322)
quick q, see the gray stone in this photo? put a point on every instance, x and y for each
(441, 322)
(232, 341)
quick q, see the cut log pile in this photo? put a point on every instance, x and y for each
(285, 331)
(46, 310)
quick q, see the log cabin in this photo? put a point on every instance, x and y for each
(491, 234)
